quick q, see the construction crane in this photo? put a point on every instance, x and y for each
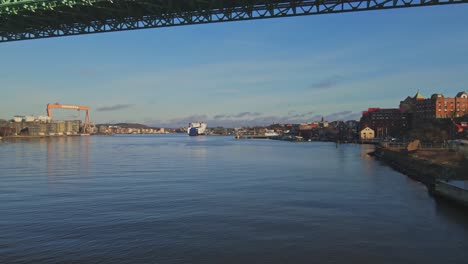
(72, 107)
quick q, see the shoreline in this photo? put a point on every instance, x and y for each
(43, 136)
(444, 179)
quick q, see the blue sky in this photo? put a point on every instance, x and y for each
(243, 73)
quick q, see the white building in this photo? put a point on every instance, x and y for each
(45, 119)
(18, 119)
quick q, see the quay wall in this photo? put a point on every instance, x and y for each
(425, 171)
(400, 161)
(449, 191)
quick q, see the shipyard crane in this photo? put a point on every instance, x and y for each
(73, 107)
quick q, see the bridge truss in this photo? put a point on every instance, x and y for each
(33, 19)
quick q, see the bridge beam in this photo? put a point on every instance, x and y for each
(33, 19)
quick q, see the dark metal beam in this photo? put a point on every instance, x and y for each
(78, 17)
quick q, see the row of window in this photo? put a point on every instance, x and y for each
(450, 103)
(451, 110)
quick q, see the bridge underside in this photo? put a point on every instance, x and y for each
(32, 19)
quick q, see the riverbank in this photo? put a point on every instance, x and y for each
(443, 171)
(302, 139)
(43, 136)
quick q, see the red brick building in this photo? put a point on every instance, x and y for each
(437, 106)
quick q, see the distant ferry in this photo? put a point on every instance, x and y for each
(271, 133)
(196, 129)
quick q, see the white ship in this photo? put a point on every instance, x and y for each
(196, 129)
(271, 133)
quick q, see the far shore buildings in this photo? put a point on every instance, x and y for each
(43, 126)
(112, 129)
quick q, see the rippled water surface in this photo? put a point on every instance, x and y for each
(179, 199)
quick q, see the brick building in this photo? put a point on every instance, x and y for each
(436, 107)
(389, 122)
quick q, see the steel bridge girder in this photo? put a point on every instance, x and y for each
(32, 19)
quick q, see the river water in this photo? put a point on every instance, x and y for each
(179, 199)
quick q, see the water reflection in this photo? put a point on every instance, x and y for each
(197, 147)
(367, 161)
(365, 150)
(451, 211)
(68, 156)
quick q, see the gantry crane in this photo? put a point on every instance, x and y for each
(73, 107)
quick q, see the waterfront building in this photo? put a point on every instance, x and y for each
(30, 118)
(60, 127)
(42, 126)
(52, 128)
(72, 126)
(307, 127)
(436, 107)
(6, 131)
(386, 122)
(323, 123)
(17, 126)
(102, 129)
(44, 119)
(367, 133)
(353, 125)
(34, 129)
(340, 126)
(21, 127)
(18, 119)
(42, 129)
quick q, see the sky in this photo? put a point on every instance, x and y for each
(286, 70)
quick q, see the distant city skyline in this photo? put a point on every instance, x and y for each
(242, 73)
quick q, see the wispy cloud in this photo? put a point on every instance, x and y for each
(294, 114)
(327, 83)
(254, 119)
(220, 116)
(181, 121)
(343, 115)
(247, 114)
(116, 107)
(238, 115)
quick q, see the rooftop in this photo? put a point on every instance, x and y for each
(419, 96)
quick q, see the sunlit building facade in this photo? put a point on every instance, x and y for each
(436, 107)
